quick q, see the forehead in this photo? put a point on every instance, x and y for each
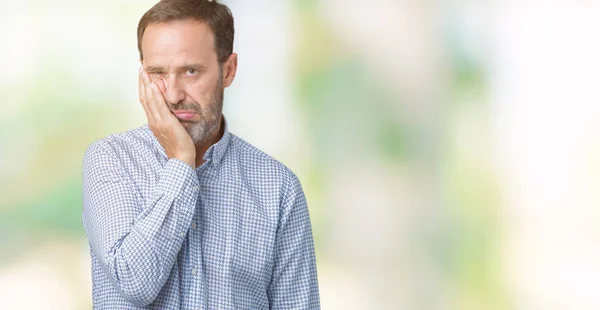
(178, 42)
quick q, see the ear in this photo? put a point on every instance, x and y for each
(229, 69)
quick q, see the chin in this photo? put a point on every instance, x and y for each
(187, 123)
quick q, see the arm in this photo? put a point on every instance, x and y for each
(136, 242)
(294, 281)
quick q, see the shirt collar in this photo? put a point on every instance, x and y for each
(215, 152)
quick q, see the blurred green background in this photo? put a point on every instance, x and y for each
(449, 150)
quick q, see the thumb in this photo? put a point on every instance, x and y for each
(161, 86)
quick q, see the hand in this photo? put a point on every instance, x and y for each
(173, 137)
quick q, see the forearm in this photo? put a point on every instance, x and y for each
(137, 245)
(141, 262)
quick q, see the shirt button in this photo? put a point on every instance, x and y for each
(194, 271)
(194, 225)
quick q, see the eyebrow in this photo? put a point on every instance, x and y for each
(195, 66)
(154, 68)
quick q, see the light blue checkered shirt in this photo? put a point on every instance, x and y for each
(234, 233)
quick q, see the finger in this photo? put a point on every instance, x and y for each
(161, 105)
(158, 88)
(151, 100)
(142, 95)
(148, 96)
(161, 85)
(141, 86)
(160, 82)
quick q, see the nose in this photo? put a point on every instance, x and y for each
(173, 90)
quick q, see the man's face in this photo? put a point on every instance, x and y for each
(180, 56)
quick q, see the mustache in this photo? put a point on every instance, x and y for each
(190, 105)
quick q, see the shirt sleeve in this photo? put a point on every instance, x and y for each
(135, 240)
(294, 282)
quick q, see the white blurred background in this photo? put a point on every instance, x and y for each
(449, 150)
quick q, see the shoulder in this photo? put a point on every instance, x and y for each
(257, 160)
(122, 144)
(124, 152)
(261, 170)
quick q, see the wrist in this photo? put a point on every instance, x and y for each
(190, 160)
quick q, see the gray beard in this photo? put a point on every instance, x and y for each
(210, 117)
(199, 131)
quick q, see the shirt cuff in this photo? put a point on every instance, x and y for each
(179, 181)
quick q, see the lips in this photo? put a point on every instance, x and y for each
(185, 114)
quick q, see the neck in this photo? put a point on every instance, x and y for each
(211, 139)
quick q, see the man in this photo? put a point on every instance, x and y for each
(180, 213)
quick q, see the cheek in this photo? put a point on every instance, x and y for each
(196, 92)
(201, 92)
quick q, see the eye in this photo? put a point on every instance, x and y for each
(191, 71)
(158, 72)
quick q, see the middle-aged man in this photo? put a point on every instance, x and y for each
(180, 213)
